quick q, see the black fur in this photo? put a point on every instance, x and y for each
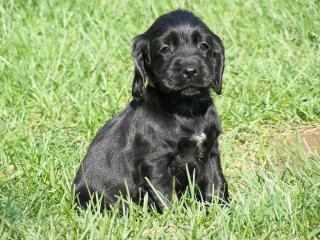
(171, 124)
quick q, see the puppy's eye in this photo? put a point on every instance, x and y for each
(204, 46)
(165, 50)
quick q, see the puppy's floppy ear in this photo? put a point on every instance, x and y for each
(217, 56)
(141, 58)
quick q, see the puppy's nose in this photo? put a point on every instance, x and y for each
(189, 72)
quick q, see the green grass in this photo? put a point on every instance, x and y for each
(65, 68)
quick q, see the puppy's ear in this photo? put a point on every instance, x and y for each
(218, 71)
(217, 56)
(141, 58)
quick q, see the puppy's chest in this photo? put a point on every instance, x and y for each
(198, 139)
(191, 139)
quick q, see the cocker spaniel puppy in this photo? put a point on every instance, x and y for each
(170, 126)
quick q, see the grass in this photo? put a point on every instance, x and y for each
(65, 68)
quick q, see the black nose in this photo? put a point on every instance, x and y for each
(189, 72)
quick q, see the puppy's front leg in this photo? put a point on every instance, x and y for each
(214, 183)
(159, 182)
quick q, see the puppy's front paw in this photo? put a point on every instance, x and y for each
(219, 195)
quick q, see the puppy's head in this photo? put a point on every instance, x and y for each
(179, 55)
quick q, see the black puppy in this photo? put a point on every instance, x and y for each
(171, 125)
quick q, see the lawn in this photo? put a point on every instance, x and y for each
(66, 67)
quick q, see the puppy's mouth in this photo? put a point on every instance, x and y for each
(190, 91)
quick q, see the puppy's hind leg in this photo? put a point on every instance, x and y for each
(88, 191)
(83, 195)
